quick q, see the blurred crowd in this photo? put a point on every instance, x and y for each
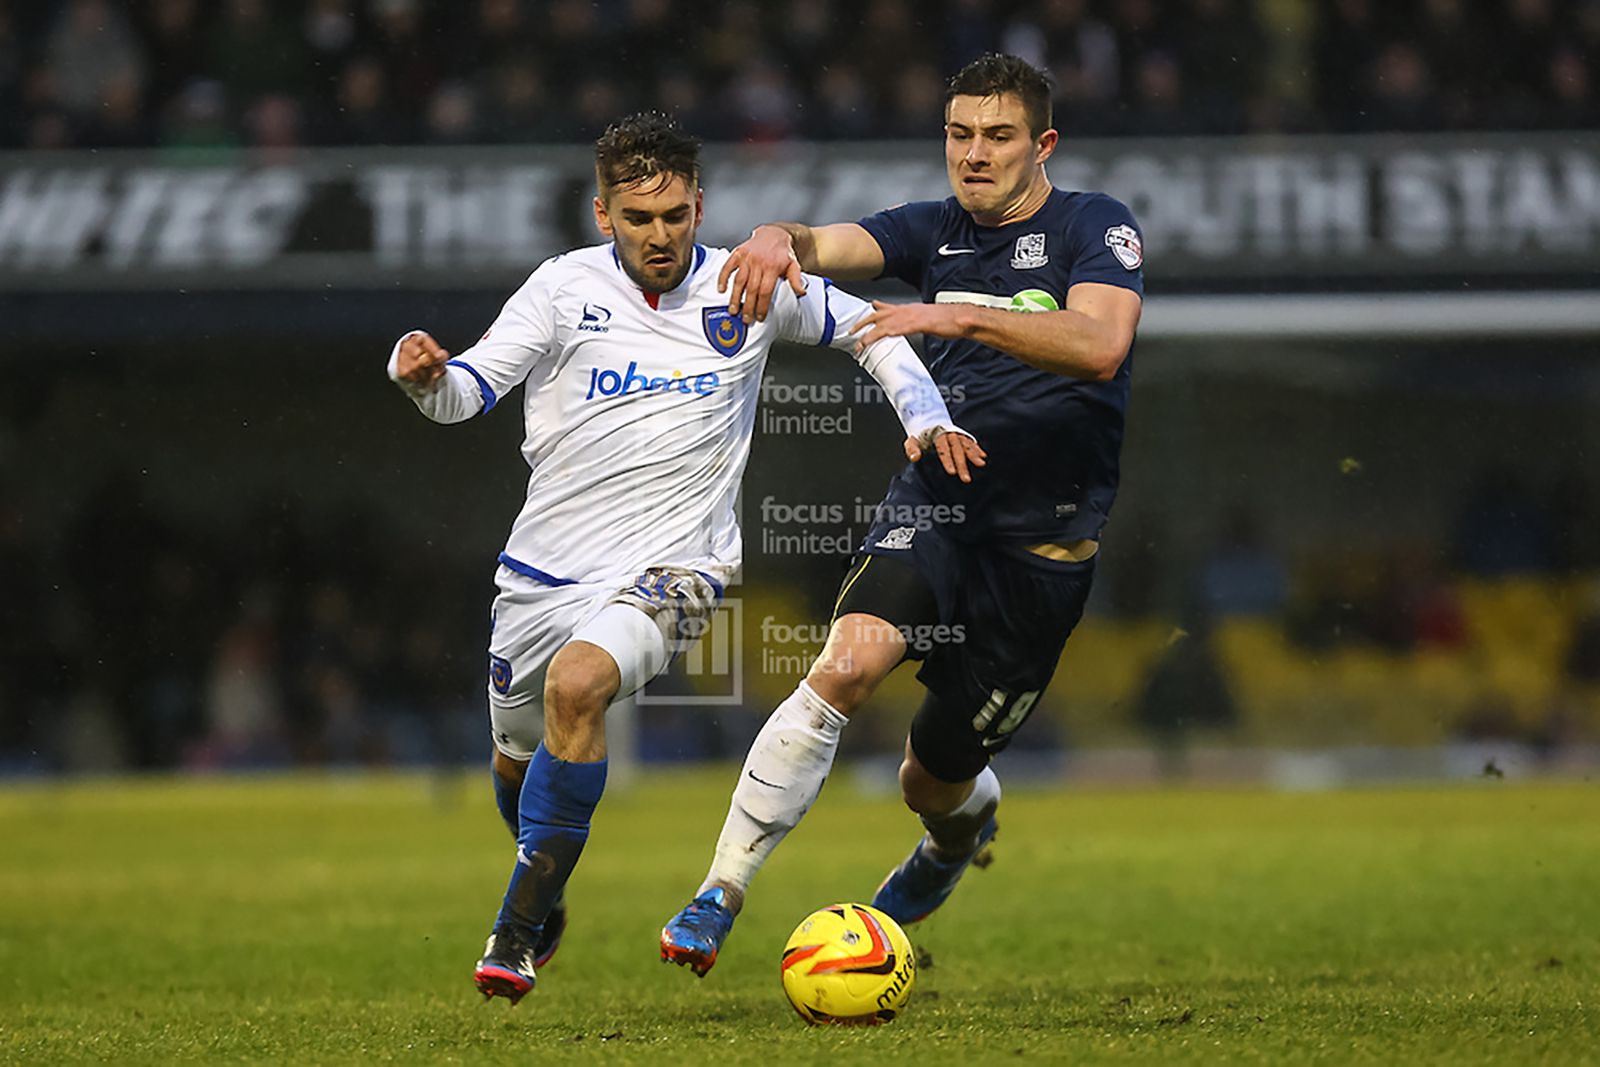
(135, 640)
(282, 73)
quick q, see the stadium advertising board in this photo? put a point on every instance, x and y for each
(1216, 212)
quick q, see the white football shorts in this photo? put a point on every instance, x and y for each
(642, 624)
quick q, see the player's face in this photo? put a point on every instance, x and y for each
(989, 154)
(653, 222)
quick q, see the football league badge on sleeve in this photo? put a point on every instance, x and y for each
(725, 332)
(1125, 244)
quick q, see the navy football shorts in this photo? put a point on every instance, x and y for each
(988, 621)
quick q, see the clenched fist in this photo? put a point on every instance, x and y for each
(420, 361)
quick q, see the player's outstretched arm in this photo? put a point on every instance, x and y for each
(780, 252)
(1089, 340)
(420, 365)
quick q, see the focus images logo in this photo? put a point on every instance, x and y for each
(793, 408)
(791, 647)
(809, 527)
(707, 665)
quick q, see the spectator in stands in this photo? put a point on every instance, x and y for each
(452, 116)
(1222, 46)
(1458, 48)
(1399, 93)
(843, 108)
(891, 28)
(175, 48)
(599, 102)
(652, 43)
(1528, 38)
(91, 50)
(254, 51)
(1243, 576)
(917, 103)
(970, 30)
(765, 104)
(680, 93)
(1586, 29)
(1084, 57)
(275, 126)
(1583, 653)
(1431, 603)
(501, 34)
(365, 114)
(1161, 108)
(121, 120)
(1503, 528)
(244, 707)
(569, 43)
(1345, 47)
(331, 34)
(1574, 104)
(196, 122)
(519, 106)
(1187, 690)
(411, 58)
(1141, 32)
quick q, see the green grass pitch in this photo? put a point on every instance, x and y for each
(328, 919)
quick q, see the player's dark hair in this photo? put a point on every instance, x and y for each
(642, 145)
(994, 74)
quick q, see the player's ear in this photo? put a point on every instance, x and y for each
(699, 207)
(1045, 146)
(602, 218)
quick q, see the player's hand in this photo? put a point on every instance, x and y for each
(903, 320)
(958, 452)
(756, 268)
(421, 360)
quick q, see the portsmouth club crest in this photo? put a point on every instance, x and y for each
(1029, 252)
(499, 674)
(725, 332)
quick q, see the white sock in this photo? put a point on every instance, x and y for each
(778, 783)
(956, 833)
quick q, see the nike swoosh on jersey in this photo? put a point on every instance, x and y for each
(946, 250)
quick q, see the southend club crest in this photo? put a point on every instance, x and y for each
(1029, 253)
(725, 332)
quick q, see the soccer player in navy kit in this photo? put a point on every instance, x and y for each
(1031, 296)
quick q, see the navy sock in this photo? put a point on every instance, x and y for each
(558, 799)
(505, 798)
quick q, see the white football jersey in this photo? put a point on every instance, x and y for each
(638, 417)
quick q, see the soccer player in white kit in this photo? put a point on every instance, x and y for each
(639, 398)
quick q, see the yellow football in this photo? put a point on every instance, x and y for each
(848, 963)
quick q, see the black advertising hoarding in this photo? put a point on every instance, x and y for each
(1217, 213)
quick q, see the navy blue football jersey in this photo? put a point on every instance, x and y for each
(1053, 442)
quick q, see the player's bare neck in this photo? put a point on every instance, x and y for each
(1023, 207)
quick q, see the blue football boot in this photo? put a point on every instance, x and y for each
(918, 886)
(694, 936)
